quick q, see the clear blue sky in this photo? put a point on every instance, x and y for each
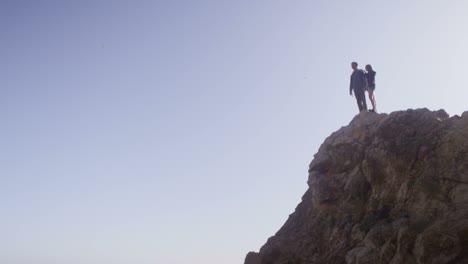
(181, 131)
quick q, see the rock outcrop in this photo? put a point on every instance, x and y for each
(384, 189)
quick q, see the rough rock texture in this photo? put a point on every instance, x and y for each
(384, 189)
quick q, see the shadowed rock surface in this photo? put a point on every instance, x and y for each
(384, 189)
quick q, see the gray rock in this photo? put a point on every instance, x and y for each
(384, 189)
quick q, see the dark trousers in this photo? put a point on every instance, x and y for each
(361, 99)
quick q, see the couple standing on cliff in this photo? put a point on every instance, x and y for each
(360, 83)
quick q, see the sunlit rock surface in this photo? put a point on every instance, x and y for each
(384, 189)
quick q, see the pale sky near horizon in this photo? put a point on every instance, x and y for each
(175, 132)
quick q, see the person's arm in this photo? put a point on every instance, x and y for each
(351, 86)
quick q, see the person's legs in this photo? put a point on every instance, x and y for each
(364, 103)
(360, 99)
(372, 99)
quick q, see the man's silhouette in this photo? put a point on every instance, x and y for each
(358, 84)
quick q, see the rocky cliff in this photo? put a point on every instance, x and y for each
(384, 189)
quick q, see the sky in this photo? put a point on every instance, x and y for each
(181, 131)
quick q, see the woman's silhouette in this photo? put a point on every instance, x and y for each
(370, 75)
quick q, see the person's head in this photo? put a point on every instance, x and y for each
(369, 67)
(354, 65)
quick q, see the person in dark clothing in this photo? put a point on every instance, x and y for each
(358, 84)
(370, 76)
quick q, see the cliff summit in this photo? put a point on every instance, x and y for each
(387, 188)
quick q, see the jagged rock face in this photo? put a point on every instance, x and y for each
(385, 189)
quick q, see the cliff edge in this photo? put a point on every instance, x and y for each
(387, 188)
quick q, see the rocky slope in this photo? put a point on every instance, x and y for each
(384, 189)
